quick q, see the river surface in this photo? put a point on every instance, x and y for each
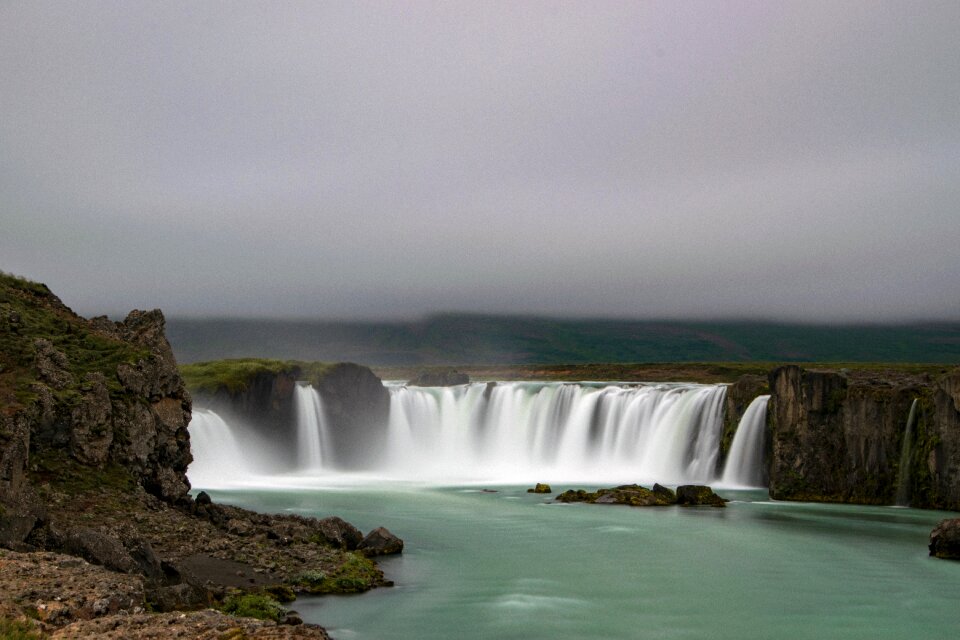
(507, 564)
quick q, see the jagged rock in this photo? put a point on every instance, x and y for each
(52, 365)
(380, 542)
(99, 548)
(664, 494)
(439, 378)
(540, 488)
(698, 495)
(202, 499)
(92, 422)
(945, 540)
(339, 533)
(15, 529)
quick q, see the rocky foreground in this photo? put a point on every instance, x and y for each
(99, 535)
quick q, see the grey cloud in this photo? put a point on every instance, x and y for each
(792, 160)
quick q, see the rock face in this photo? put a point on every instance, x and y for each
(439, 378)
(945, 540)
(355, 401)
(358, 407)
(137, 418)
(839, 438)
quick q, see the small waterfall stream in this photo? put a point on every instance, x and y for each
(311, 423)
(903, 479)
(744, 465)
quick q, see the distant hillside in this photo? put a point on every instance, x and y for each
(473, 339)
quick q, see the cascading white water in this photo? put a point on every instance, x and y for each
(217, 452)
(903, 481)
(524, 432)
(744, 466)
(310, 427)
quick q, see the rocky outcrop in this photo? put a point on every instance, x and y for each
(945, 540)
(357, 406)
(540, 488)
(380, 542)
(439, 378)
(636, 496)
(837, 436)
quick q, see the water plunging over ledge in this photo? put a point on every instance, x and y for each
(506, 433)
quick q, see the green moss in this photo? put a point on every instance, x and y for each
(253, 605)
(64, 474)
(235, 375)
(18, 630)
(355, 574)
(29, 311)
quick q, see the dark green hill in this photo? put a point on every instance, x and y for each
(475, 339)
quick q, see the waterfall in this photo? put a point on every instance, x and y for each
(744, 465)
(310, 427)
(903, 481)
(520, 432)
(218, 454)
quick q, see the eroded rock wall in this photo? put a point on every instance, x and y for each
(839, 438)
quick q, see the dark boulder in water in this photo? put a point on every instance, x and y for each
(945, 540)
(689, 495)
(629, 494)
(540, 488)
(380, 542)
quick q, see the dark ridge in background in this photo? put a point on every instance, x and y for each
(477, 339)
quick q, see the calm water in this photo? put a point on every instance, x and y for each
(516, 565)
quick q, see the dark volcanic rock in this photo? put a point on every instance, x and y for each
(698, 495)
(357, 407)
(339, 533)
(838, 437)
(628, 494)
(439, 378)
(380, 542)
(945, 540)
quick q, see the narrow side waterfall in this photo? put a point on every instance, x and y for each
(218, 453)
(903, 479)
(744, 465)
(522, 432)
(311, 424)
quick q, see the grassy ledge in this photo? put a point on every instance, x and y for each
(235, 375)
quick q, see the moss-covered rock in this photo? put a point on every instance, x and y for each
(540, 488)
(628, 494)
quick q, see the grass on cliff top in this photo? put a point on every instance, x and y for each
(235, 375)
(28, 311)
(698, 372)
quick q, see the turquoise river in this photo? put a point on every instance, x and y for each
(507, 564)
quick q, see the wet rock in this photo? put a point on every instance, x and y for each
(628, 494)
(380, 542)
(339, 533)
(540, 488)
(945, 540)
(698, 495)
(664, 494)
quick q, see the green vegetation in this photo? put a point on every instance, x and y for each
(505, 340)
(357, 573)
(58, 470)
(253, 605)
(18, 630)
(235, 375)
(29, 311)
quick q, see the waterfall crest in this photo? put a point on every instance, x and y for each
(500, 433)
(524, 432)
(744, 465)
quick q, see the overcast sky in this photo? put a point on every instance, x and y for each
(782, 160)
